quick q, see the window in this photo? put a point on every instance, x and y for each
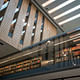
(34, 26)
(12, 26)
(3, 9)
(42, 26)
(25, 23)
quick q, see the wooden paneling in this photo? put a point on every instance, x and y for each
(8, 17)
(1, 3)
(28, 35)
(49, 30)
(38, 28)
(20, 23)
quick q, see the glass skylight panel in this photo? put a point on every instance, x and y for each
(69, 19)
(47, 3)
(67, 12)
(1, 18)
(13, 21)
(60, 6)
(4, 6)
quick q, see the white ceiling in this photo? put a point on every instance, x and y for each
(66, 13)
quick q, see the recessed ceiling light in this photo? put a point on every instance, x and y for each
(69, 19)
(60, 6)
(67, 12)
(47, 3)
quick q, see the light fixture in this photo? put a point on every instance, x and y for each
(47, 3)
(67, 12)
(69, 19)
(60, 6)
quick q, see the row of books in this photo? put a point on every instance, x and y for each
(21, 66)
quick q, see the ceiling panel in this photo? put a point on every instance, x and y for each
(70, 5)
(68, 16)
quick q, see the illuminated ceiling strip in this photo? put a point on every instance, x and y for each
(69, 19)
(47, 3)
(60, 6)
(67, 12)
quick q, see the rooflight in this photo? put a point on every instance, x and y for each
(70, 19)
(60, 6)
(47, 3)
(67, 12)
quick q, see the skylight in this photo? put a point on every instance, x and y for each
(60, 6)
(67, 12)
(47, 3)
(69, 19)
